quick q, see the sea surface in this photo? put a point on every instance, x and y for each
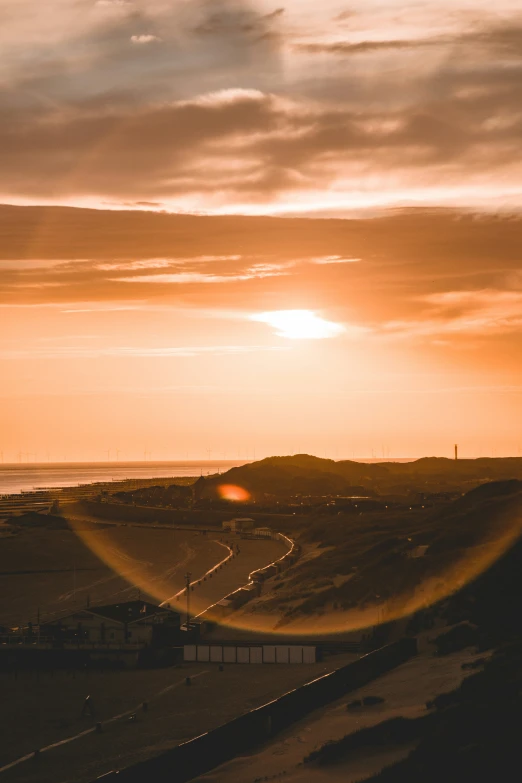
(24, 478)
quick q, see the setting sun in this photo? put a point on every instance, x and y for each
(299, 324)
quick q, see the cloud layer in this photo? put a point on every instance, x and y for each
(250, 107)
(416, 273)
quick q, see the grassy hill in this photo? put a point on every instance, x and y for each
(303, 474)
(396, 558)
(473, 732)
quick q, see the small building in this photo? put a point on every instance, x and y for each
(131, 622)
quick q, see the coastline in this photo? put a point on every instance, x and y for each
(67, 490)
(21, 479)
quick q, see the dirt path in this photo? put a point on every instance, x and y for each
(49, 572)
(39, 711)
(233, 574)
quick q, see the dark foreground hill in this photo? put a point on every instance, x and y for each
(305, 475)
(471, 733)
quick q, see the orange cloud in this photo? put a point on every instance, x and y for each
(144, 38)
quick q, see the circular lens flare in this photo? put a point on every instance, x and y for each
(258, 617)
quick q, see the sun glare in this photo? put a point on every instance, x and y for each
(299, 324)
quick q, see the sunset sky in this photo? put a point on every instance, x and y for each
(237, 228)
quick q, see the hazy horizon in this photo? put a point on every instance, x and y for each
(26, 476)
(198, 462)
(218, 463)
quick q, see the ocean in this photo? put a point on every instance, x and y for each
(27, 477)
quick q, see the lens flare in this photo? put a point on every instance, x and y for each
(141, 570)
(234, 493)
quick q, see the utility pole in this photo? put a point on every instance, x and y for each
(187, 583)
(456, 451)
